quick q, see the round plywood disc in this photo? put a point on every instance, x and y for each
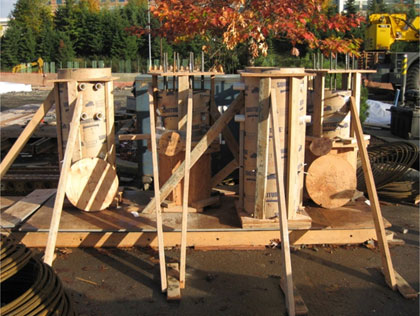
(331, 181)
(321, 146)
(92, 184)
(170, 144)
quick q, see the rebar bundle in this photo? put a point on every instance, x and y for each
(389, 163)
(28, 286)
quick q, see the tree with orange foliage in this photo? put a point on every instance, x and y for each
(253, 21)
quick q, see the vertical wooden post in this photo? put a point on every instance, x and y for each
(183, 84)
(61, 189)
(186, 189)
(373, 197)
(318, 104)
(262, 146)
(293, 148)
(26, 134)
(284, 231)
(110, 126)
(159, 228)
(241, 164)
(357, 84)
(58, 118)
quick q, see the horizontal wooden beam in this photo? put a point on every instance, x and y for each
(231, 239)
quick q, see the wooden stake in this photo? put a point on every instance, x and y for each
(318, 109)
(185, 193)
(26, 134)
(62, 182)
(262, 147)
(373, 197)
(241, 164)
(284, 231)
(198, 151)
(157, 199)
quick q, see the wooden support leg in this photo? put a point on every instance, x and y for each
(241, 164)
(26, 134)
(61, 189)
(284, 231)
(262, 147)
(373, 197)
(198, 151)
(157, 199)
(186, 189)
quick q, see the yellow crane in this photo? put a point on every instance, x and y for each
(39, 63)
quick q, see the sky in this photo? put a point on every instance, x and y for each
(6, 6)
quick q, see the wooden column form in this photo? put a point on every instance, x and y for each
(284, 231)
(318, 104)
(62, 183)
(262, 146)
(198, 150)
(157, 197)
(26, 134)
(356, 91)
(293, 201)
(186, 189)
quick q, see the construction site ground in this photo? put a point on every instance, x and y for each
(332, 280)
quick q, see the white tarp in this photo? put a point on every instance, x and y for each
(378, 113)
(6, 87)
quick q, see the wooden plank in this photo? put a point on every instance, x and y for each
(24, 208)
(318, 105)
(6, 201)
(174, 289)
(356, 93)
(109, 121)
(26, 134)
(300, 306)
(373, 197)
(222, 174)
(292, 194)
(230, 239)
(263, 131)
(241, 163)
(157, 199)
(134, 136)
(182, 97)
(227, 134)
(198, 150)
(284, 231)
(404, 288)
(206, 202)
(186, 191)
(62, 183)
(58, 118)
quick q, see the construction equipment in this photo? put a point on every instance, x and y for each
(384, 30)
(39, 63)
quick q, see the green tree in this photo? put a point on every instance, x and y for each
(65, 51)
(350, 7)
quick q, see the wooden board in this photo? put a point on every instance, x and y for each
(6, 201)
(263, 130)
(300, 306)
(174, 290)
(24, 208)
(331, 181)
(92, 184)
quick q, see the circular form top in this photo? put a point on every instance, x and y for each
(92, 184)
(84, 74)
(321, 146)
(331, 181)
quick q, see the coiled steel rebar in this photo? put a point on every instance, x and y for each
(389, 163)
(28, 286)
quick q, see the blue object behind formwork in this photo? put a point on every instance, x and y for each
(224, 96)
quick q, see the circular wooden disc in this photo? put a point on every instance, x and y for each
(92, 184)
(170, 144)
(331, 181)
(321, 146)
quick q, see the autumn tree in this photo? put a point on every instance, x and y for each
(253, 22)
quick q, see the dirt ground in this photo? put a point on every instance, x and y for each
(331, 280)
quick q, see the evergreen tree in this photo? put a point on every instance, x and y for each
(350, 7)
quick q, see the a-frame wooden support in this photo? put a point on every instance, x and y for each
(62, 182)
(388, 269)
